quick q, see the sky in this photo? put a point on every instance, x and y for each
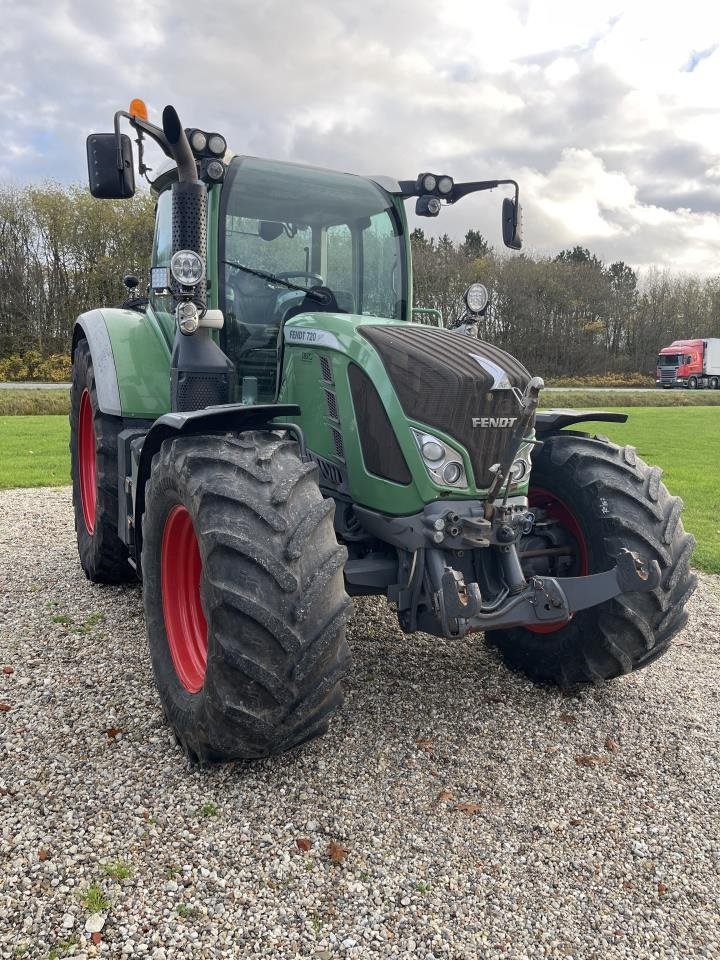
(607, 113)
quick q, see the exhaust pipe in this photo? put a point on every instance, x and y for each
(178, 142)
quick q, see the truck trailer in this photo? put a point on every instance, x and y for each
(693, 364)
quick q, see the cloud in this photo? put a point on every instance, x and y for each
(616, 144)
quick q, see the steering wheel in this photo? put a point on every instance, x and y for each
(288, 274)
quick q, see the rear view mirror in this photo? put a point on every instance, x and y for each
(269, 230)
(512, 223)
(108, 180)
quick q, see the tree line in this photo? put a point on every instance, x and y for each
(62, 252)
(567, 314)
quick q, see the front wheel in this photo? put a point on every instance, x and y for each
(244, 598)
(692, 383)
(592, 499)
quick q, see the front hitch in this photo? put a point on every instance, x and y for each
(547, 600)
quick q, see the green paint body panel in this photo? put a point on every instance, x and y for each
(142, 362)
(302, 383)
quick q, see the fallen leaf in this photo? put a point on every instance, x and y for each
(471, 808)
(96, 937)
(4, 707)
(611, 745)
(43, 855)
(627, 885)
(426, 745)
(8, 670)
(662, 889)
(589, 760)
(336, 851)
(568, 718)
(445, 796)
(113, 732)
(304, 844)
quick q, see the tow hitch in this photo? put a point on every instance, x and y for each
(543, 600)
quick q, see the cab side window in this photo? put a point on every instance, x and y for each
(162, 249)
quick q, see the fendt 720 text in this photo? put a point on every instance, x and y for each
(268, 433)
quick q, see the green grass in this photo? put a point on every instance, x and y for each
(15, 403)
(599, 399)
(118, 870)
(34, 451)
(683, 440)
(686, 444)
(94, 900)
(48, 402)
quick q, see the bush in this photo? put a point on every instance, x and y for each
(32, 367)
(603, 380)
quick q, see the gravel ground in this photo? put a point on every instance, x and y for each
(471, 814)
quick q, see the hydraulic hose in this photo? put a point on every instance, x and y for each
(178, 142)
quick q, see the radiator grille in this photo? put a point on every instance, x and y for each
(326, 369)
(380, 448)
(440, 381)
(331, 401)
(338, 442)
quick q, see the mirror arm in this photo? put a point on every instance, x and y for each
(141, 126)
(462, 189)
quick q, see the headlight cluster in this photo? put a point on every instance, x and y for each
(520, 469)
(443, 464)
(207, 144)
(437, 184)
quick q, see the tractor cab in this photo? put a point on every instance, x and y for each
(296, 239)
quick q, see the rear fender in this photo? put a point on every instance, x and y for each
(131, 359)
(234, 418)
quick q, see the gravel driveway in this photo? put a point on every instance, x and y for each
(470, 813)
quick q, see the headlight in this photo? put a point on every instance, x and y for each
(452, 472)
(518, 471)
(476, 297)
(443, 463)
(187, 267)
(217, 145)
(198, 141)
(187, 317)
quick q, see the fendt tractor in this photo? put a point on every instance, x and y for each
(269, 433)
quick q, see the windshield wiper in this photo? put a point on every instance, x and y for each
(318, 295)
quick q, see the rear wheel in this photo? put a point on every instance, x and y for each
(244, 597)
(592, 499)
(94, 469)
(714, 383)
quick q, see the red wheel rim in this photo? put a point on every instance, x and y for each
(87, 462)
(185, 624)
(556, 509)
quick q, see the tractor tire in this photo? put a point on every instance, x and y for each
(604, 498)
(94, 471)
(245, 604)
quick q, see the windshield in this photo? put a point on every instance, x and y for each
(296, 239)
(669, 360)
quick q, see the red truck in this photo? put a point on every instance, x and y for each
(694, 364)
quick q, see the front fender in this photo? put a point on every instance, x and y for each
(234, 417)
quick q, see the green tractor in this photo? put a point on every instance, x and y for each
(269, 433)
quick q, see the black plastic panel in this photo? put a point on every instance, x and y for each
(439, 382)
(380, 449)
